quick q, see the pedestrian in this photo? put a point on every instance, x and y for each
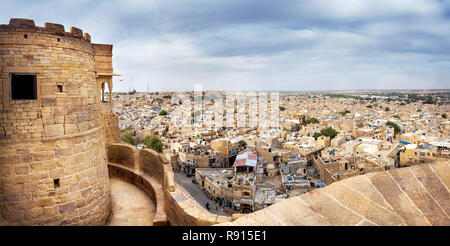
(207, 206)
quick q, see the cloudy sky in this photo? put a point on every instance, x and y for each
(170, 45)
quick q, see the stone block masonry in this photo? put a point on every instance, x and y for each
(55, 182)
(53, 162)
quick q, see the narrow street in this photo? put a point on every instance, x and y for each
(197, 193)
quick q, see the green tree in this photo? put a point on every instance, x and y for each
(344, 112)
(282, 108)
(328, 132)
(163, 112)
(153, 142)
(311, 121)
(387, 109)
(396, 116)
(444, 116)
(369, 106)
(128, 138)
(316, 135)
(395, 126)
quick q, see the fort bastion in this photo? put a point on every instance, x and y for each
(53, 113)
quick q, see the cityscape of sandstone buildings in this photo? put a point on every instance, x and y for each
(365, 158)
(292, 160)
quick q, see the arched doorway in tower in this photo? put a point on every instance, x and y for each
(105, 93)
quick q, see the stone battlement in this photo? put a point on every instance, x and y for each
(55, 126)
(18, 24)
(153, 174)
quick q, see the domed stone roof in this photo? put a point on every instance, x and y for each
(416, 195)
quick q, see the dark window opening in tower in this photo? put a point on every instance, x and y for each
(23, 87)
(56, 183)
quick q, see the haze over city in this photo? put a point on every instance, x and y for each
(262, 45)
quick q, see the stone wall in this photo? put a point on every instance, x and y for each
(325, 174)
(181, 207)
(183, 210)
(122, 154)
(65, 60)
(153, 164)
(145, 183)
(155, 176)
(62, 182)
(53, 161)
(112, 130)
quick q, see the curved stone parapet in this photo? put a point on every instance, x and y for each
(154, 175)
(144, 182)
(123, 154)
(152, 163)
(181, 207)
(183, 210)
(416, 195)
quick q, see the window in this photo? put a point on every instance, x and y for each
(23, 87)
(25, 36)
(56, 183)
(59, 88)
(105, 92)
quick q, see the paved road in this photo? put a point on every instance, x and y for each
(197, 193)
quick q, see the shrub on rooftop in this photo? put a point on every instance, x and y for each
(311, 121)
(328, 132)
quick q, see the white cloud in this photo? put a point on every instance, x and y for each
(260, 44)
(351, 9)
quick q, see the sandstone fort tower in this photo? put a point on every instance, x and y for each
(55, 123)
